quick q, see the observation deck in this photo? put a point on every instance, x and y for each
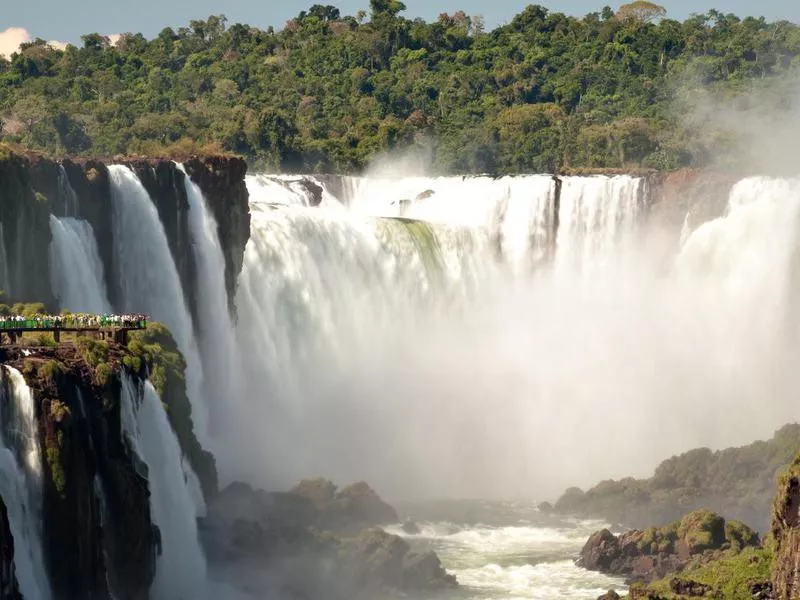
(100, 327)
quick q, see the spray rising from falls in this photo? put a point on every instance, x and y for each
(76, 270)
(369, 342)
(149, 280)
(181, 567)
(20, 482)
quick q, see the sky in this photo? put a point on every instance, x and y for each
(57, 20)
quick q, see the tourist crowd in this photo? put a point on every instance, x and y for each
(72, 321)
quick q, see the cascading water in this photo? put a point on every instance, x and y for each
(149, 280)
(20, 482)
(368, 347)
(66, 194)
(181, 567)
(289, 190)
(595, 213)
(76, 271)
(214, 326)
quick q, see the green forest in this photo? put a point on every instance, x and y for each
(329, 92)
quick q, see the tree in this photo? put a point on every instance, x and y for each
(95, 41)
(325, 13)
(386, 8)
(642, 11)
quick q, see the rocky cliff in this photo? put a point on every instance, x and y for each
(99, 537)
(33, 187)
(24, 231)
(95, 501)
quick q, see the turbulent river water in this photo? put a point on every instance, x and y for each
(506, 549)
(460, 338)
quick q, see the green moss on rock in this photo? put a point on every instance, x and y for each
(57, 472)
(731, 577)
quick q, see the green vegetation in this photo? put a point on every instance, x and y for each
(738, 483)
(50, 370)
(153, 352)
(329, 92)
(730, 577)
(56, 469)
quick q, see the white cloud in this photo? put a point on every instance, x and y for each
(11, 38)
(114, 38)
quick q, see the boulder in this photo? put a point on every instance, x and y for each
(424, 570)
(376, 559)
(600, 551)
(609, 595)
(411, 527)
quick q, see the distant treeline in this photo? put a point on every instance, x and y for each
(330, 92)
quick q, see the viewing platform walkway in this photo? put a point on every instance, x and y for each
(95, 326)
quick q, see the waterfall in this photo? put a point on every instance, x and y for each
(596, 212)
(387, 332)
(181, 567)
(4, 280)
(76, 271)
(214, 326)
(20, 482)
(66, 194)
(149, 279)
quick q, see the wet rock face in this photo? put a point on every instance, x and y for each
(786, 531)
(653, 553)
(9, 587)
(24, 218)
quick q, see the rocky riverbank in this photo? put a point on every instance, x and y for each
(738, 483)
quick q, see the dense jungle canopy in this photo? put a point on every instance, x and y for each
(329, 92)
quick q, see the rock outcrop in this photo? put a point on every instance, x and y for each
(738, 483)
(645, 555)
(98, 535)
(786, 531)
(348, 510)
(246, 524)
(78, 415)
